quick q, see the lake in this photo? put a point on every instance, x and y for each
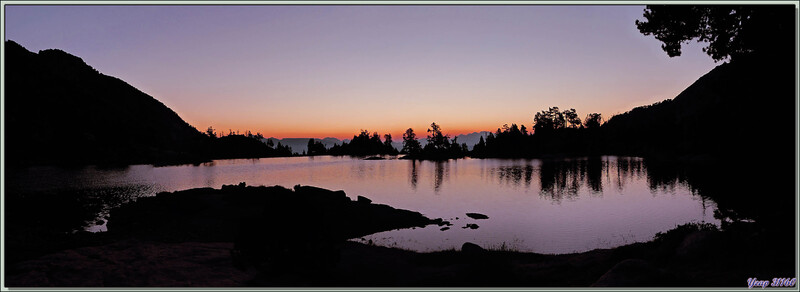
(544, 206)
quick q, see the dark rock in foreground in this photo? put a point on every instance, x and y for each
(225, 214)
(133, 263)
(631, 273)
(273, 229)
(138, 263)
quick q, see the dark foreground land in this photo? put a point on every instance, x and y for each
(273, 236)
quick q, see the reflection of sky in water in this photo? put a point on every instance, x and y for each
(550, 206)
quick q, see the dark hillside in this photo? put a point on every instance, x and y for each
(736, 127)
(744, 108)
(59, 110)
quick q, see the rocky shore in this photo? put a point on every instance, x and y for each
(241, 236)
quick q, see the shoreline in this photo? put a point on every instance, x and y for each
(688, 259)
(228, 237)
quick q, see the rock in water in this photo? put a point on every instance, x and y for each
(477, 216)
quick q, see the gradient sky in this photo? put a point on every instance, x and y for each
(329, 71)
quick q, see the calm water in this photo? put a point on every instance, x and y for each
(545, 206)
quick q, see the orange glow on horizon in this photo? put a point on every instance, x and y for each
(341, 134)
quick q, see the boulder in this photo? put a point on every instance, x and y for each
(476, 216)
(469, 248)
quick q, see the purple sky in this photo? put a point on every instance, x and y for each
(317, 71)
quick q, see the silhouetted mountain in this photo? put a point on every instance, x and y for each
(746, 107)
(470, 139)
(59, 110)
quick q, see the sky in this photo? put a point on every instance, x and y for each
(330, 71)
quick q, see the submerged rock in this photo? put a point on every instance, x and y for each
(471, 226)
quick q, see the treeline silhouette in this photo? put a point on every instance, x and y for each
(439, 146)
(247, 145)
(744, 107)
(555, 133)
(362, 144)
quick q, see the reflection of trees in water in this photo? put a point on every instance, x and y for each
(413, 174)
(762, 190)
(664, 177)
(627, 169)
(516, 174)
(730, 186)
(592, 169)
(564, 178)
(559, 179)
(359, 170)
(442, 171)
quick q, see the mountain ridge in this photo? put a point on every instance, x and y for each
(96, 118)
(743, 106)
(61, 111)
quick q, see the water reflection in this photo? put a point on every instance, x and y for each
(553, 205)
(560, 179)
(665, 178)
(557, 179)
(413, 176)
(550, 205)
(442, 172)
(516, 174)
